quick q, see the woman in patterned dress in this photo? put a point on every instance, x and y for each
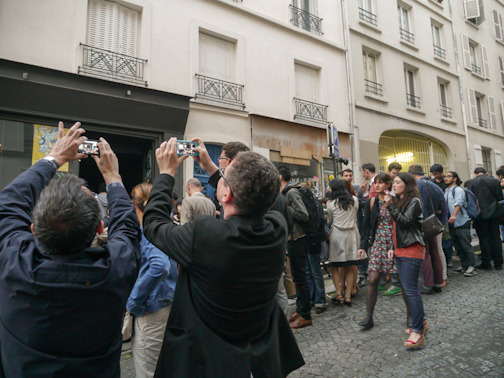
(377, 234)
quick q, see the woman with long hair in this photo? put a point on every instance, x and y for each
(342, 210)
(377, 234)
(409, 250)
(151, 297)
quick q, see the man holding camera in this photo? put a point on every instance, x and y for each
(61, 301)
(225, 320)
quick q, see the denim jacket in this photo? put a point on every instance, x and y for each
(155, 285)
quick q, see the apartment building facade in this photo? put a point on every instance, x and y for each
(269, 74)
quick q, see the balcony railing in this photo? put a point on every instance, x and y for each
(220, 91)
(374, 88)
(445, 111)
(406, 35)
(476, 69)
(310, 111)
(367, 16)
(482, 122)
(413, 100)
(111, 65)
(305, 20)
(439, 52)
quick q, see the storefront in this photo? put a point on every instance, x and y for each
(134, 120)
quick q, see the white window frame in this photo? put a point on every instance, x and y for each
(492, 115)
(471, 9)
(311, 79)
(411, 85)
(227, 55)
(498, 25)
(478, 155)
(309, 6)
(473, 111)
(501, 68)
(367, 5)
(497, 158)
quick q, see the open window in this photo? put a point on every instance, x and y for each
(474, 11)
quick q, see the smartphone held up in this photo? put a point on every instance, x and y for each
(185, 147)
(89, 147)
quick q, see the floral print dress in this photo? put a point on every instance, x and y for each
(383, 242)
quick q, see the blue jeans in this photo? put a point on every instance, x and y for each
(315, 279)
(363, 268)
(409, 270)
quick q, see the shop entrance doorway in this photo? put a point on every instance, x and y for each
(135, 157)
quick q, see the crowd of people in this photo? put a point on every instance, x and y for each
(198, 284)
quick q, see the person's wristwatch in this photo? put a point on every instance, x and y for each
(52, 160)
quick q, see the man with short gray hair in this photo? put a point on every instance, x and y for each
(62, 302)
(196, 204)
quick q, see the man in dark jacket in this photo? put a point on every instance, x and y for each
(62, 302)
(433, 202)
(489, 194)
(225, 320)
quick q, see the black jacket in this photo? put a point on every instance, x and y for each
(408, 223)
(369, 224)
(225, 320)
(488, 192)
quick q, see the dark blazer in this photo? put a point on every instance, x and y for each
(488, 192)
(225, 320)
(61, 316)
(369, 223)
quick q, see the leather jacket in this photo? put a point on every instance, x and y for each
(369, 224)
(408, 223)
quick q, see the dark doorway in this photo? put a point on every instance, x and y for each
(135, 160)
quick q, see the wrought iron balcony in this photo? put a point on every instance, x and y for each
(310, 110)
(220, 91)
(367, 16)
(374, 88)
(445, 111)
(305, 20)
(406, 35)
(111, 65)
(482, 122)
(439, 52)
(413, 100)
(476, 69)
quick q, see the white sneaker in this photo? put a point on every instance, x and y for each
(470, 272)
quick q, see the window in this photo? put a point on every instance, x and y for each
(492, 116)
(307, 94)
(475, 57)
(305, 15)
(498, 25)
(474, 11)
(486, 154)
(370, 78)
(405, 30)
(501, 68)
(477, 106)
(366, 11)
(411, 91)
(443, 99)
(436, 41)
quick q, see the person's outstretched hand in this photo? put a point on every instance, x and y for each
(204, 159)
(167, 158)
(107, 162)
(66, 147)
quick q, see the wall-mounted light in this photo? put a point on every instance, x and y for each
(128, 92)
(25, 75)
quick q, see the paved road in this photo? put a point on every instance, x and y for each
(466, 335)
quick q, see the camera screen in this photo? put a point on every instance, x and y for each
(185, 148)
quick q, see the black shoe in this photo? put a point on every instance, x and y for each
(367, 324)
(319, 310)
(498, 267)
(436, 289)
(484, 267)
(426, 291)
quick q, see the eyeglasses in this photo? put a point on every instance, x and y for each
(221, 173)
(222, 158)
(449, 176)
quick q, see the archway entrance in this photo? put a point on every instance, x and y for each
(409, 148)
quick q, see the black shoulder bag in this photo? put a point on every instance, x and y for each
(431, 226)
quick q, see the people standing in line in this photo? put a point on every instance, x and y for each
(297, 247)
(409, 251)
(369, 173)
(394, 169)
(489, 194)
(151, 297)
(212, 331)
(438, 176)
(500, 176)
(459, 223)
(433, 202)
(196, 203)
(342, 210)
(61, 302)
(313, 269)
(377, 237)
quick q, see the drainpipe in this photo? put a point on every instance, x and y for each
(461, 91)
(354, 136)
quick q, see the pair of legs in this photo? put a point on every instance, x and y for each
(432, 268)
(298, 251)
(408, 270)
(461, 237)
(315, 279)
(490, 243)
(347, 275)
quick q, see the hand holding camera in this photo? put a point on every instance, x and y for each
(168, 158)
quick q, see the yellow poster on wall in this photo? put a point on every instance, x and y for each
(44, 138)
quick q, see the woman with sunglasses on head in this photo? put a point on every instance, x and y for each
(377, 234)
(409, 249)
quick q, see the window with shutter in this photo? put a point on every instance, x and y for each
(498, 158)
(466, 51)
(491, 113)
(484, 62)
(471, 9)
(473, 111)
(478, 155)
(307, 83)
(502, 114)
(498, 26)
(216, 57)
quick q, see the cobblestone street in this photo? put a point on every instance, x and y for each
(466, 336)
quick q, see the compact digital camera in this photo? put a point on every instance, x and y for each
(185, 147)
(89, 147)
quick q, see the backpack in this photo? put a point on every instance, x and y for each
(316, 222)
(472, 206)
